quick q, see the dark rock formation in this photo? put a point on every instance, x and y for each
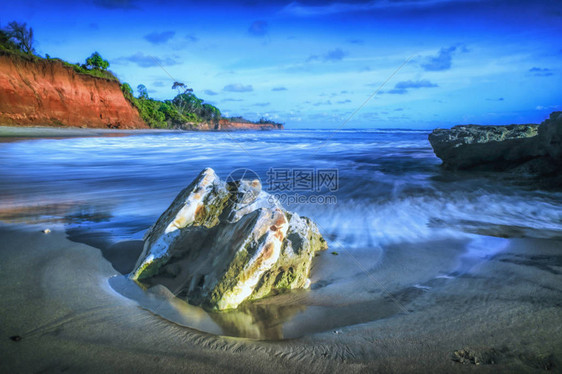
(220, 244)
(531, 149)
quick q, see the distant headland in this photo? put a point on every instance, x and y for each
(46, 91)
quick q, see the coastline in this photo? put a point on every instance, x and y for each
(44, 91)
(57, 298)
(69, 132)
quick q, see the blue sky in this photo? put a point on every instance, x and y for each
(311, 64)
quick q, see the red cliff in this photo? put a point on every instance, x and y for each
(227, 125)
(37, 92)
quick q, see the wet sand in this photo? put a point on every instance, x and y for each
(60, 313)
(13, 133)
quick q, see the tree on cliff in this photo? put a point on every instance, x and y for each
(95, 61)
(143, 92)
(6, 42)
(20, 36)
(182, 89)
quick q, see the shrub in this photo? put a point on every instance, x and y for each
(95, 61)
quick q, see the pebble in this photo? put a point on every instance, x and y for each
(46, 231)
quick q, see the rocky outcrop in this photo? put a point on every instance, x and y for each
(526, 149)
(220, 244)
(40, 92)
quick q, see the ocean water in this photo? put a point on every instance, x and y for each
(396, 221)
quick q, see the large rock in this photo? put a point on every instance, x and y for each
(535, 149)
(221, 244)
(550, 135)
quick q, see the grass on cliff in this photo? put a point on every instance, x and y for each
(80, 69)
(105, 74)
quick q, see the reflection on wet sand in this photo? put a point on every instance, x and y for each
(68, 212)
(257, 321)
(260, 322)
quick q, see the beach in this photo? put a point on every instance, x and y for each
(420, 264)
(56, 296)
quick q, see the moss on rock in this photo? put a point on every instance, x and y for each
(224, 245)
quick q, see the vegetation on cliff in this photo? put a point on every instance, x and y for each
(17, 37)
(185, 110)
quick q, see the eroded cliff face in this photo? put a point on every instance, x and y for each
(47, 93)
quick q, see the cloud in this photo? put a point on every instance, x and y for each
(116, 4)
(327, 102)
(401, 88)
(210, 93)
(356, 41)
(159, 37)
(191, 38)
(497, 99)
(440, 62)
(547, 107)
(258, 28)
(344, 101)
(541, 72)
(146, 61)
(229, 100)
(333, 55)
(415, 84)
(322, 9)
(158, 84)
(237, 87)
(261, 104)
(279, 89)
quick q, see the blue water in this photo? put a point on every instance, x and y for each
(390, 188)
(405, 224)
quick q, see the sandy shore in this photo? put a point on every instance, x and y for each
(12, 133)
(59, 313)
(8, 132)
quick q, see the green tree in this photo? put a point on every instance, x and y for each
(20, 36)
(210, 112)
(126, 88)
(182, 89)
(5, 41)
(143, 92)
(188, 102)
(95, 61)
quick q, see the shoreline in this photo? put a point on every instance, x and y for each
(69, 132)
(58, 299)
(50, 131)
